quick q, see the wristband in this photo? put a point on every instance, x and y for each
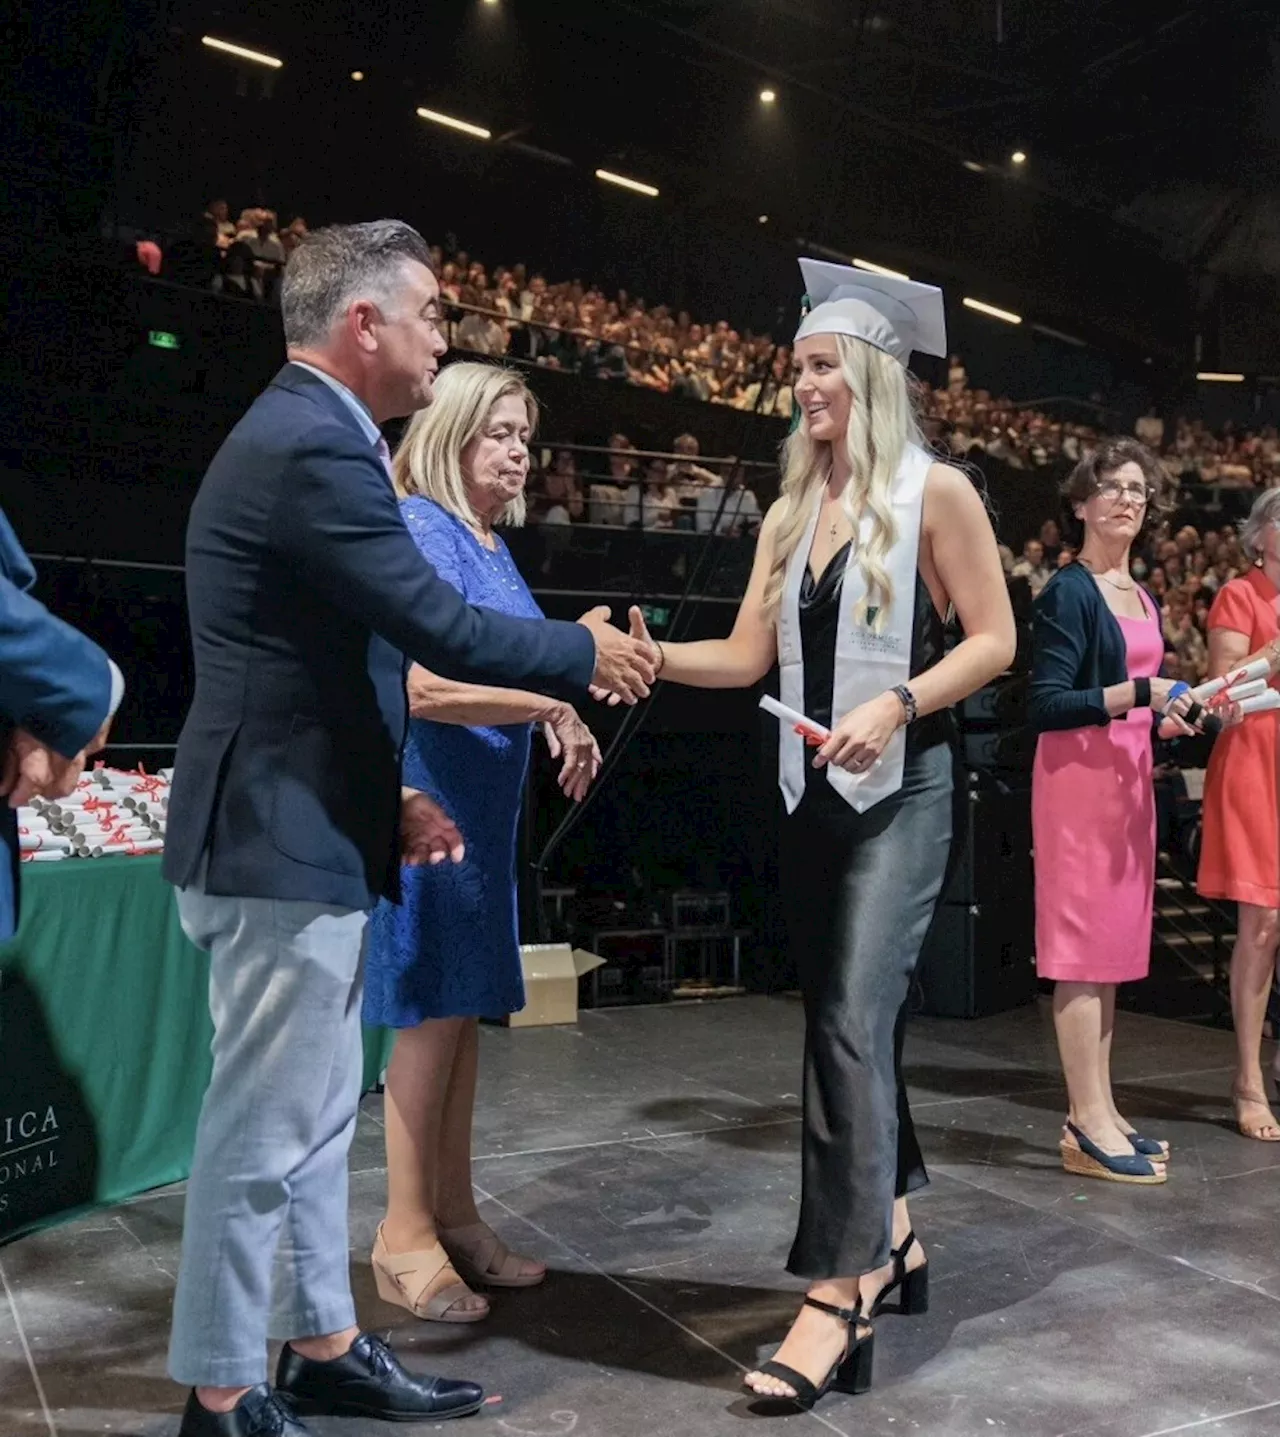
(908, 701)
(1142, 693)
(662, 658)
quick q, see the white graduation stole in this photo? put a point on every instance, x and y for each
(867, 663)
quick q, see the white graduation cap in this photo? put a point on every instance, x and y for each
(898, 316)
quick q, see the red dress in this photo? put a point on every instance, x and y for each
(1240, 842)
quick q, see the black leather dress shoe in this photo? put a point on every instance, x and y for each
(259, 1413)
(368, 1381)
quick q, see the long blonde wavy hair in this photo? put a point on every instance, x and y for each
(428, 460)
(882, 422)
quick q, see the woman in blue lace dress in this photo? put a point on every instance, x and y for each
(448, 954)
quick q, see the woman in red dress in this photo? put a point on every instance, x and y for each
(1240, 846)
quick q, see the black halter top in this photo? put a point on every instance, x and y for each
(819, 617)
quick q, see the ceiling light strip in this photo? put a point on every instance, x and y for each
(638, 186)
(872, 268)
(240, 52)
(1007, 315)
(451, 123)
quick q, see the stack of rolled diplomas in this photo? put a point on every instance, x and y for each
(1246, 688)
(110, 812)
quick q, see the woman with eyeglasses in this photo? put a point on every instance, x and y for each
(1240, 843)
(1097, 651)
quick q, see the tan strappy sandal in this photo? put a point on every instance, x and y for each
(482, 1257)
(424, 1282)
(1267, 1131)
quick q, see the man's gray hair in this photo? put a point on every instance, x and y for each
(1265, 511)
(335, 266)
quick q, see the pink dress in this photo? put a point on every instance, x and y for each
(1093, 824)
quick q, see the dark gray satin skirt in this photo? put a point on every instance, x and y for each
(860, 890)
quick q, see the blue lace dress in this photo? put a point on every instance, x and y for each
(450, 949)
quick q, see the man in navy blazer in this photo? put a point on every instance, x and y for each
(287, 822)
(58, 691)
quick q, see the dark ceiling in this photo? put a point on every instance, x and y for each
(1151, 127)
(1109, 99)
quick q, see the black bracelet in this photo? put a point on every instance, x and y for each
(908, 701)
(1142, 693)
(662, 658)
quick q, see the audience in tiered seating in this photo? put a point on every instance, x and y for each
(248, 257)
(1229, 460)
(577, 327)
(508, 312)
(570, 325)
(627, 488)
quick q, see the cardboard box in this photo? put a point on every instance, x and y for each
(551, 973)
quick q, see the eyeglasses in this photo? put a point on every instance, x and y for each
(1112, 492)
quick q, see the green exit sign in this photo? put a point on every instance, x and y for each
(654, 615)
(162, 339)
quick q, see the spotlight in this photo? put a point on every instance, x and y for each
(763, 220)
(1019, 157)
(240, 52)
(637, 185)
(357, 75)
(449, 122)
(767, 96)
(974, 167)
(1005, 314)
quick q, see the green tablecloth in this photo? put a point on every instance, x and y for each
(104, 1039)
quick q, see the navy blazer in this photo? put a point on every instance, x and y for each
(1077, 650)
(54, 682)
(305, 594)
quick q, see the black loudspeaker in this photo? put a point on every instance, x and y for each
(1000, 704)
(978, 957)
(1008, 751)
(993, 728)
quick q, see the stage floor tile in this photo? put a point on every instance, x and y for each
(651, 1158)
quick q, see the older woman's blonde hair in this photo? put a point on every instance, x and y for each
(428, 461)
(1265, 511)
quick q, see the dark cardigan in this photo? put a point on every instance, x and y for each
(1077, 650)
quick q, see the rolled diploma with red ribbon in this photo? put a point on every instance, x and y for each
(43, 843)
(1260, 703)
(1237, 693)
(1258, 669)
(812, 733)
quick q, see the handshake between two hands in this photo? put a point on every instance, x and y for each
(31, 769)
(626, 666)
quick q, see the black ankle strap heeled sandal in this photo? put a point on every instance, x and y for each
(913, 1285)
(852, 1374)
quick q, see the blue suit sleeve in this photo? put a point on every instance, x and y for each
(338, 519)
(1057, 654)
(54, 682)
